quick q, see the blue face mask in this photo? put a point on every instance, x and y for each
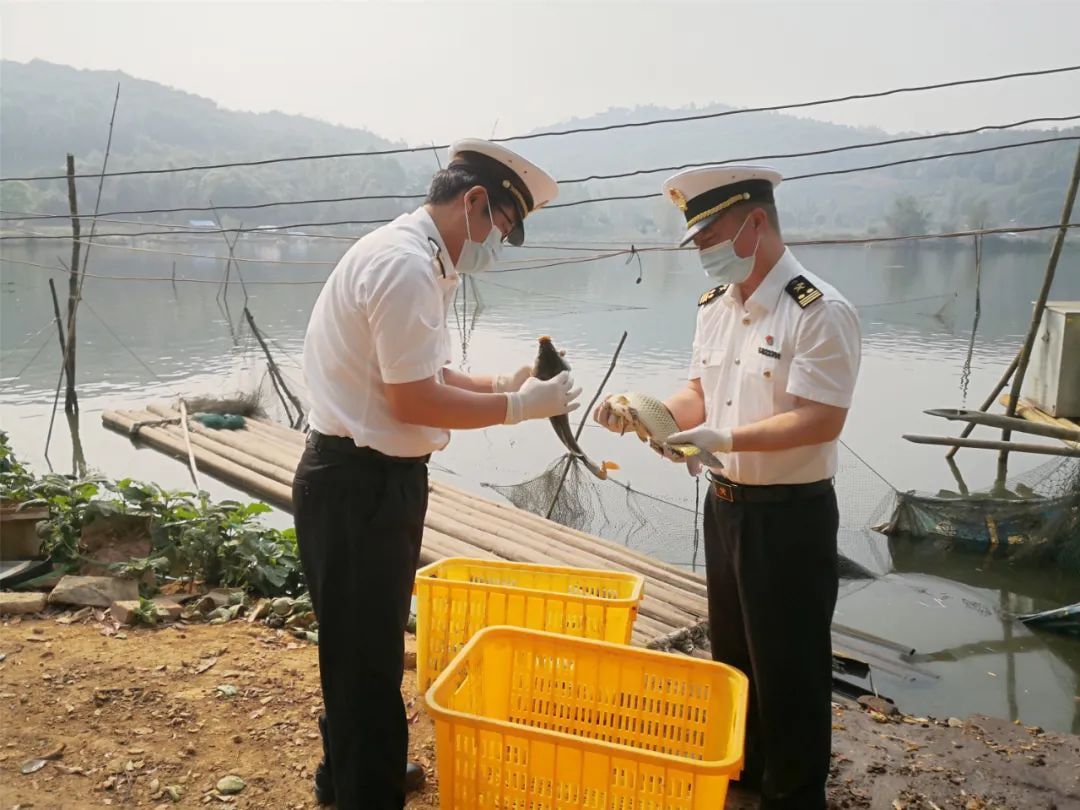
(722, 264)
(479, 256)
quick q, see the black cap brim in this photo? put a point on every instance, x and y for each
(697, 228)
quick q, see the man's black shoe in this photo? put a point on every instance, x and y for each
(324, 783)
(414, 777)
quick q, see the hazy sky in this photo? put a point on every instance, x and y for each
(441, 70)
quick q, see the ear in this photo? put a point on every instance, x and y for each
(475, 196)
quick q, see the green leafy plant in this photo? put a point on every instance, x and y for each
(191, 536)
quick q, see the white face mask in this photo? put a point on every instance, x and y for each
(724, 265)
(477, 257)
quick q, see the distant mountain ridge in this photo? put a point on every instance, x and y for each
(47, 110)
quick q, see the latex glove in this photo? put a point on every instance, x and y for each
(506, 383)
(693, 466)
(542, 399)
(712, 440)
(603, 415)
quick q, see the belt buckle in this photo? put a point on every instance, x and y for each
(724, 492)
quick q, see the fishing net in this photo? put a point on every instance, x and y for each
(1034, 518)
(670, 527)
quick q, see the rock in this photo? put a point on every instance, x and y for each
(227, 690)
(955, 722)
(879, 705)
(125, 611)
(93, 591)
(221, 613)
(282, 605)
(168, 608)
(260, 612)
(174, 792)
(223, 597)
(21, 602)
(230, 784)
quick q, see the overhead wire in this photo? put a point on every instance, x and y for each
(574, 130)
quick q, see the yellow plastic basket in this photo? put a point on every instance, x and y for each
(537, 721)
(458, 596)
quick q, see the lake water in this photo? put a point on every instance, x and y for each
(142, 340)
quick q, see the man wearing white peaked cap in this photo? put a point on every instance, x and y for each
(775, 357)
(383, 398)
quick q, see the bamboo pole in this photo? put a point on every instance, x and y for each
(990, 444)
(275, 372)
(59, 322)
(71, 400)
(1013, 423)
(1037, 313)
(187, 442)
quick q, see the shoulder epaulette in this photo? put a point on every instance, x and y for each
(712, 295)
(803, 291)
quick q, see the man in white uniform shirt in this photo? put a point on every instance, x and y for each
(382, 400)
(775, 356)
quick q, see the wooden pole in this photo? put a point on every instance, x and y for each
(59, 320)
(274, 371)
(992, 444)
(187, 441)
(1037, 313)
(71, 401)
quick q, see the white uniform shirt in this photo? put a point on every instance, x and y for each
(381, 318)
(755, 357)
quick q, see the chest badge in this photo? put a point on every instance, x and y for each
(769, 352)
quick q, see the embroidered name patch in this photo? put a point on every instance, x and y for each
(769, 352)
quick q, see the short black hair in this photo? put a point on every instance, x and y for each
(458, 178)
(769, 208)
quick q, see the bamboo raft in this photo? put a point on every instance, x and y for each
(261, 459)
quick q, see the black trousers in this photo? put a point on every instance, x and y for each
(772, 583)
(359, 523)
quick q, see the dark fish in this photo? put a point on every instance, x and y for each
(549, 363)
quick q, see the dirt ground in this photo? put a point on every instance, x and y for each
(156, 717)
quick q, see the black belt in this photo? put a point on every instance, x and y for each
(344, 444)
(729, 491)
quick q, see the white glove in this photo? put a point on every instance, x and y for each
(693, 465)
(505, 383)
(711, 440)
(603, 415)
(542, 399)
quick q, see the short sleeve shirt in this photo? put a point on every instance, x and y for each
(756, 358)
(381, 318)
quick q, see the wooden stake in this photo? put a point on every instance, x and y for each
(187, 443)
(71, 401)
(274, 371)
(1037, 313)
(991, 444)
